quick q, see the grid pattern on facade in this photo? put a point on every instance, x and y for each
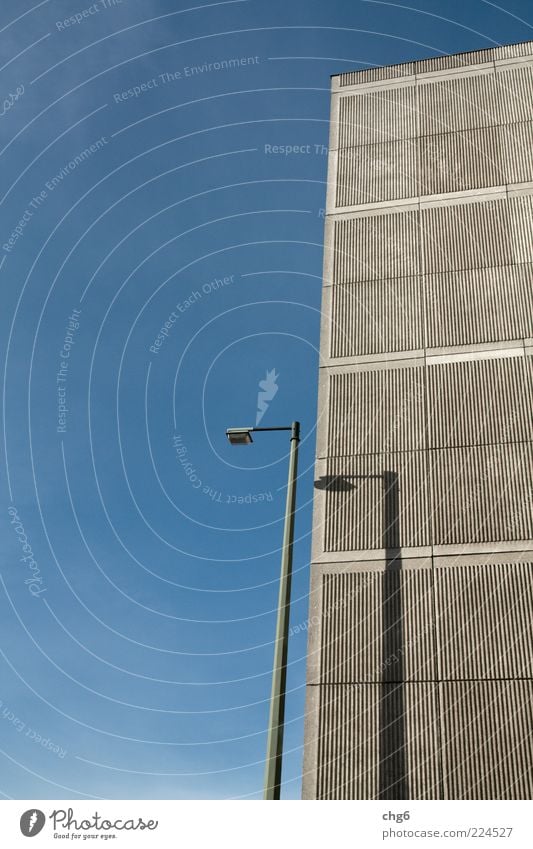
(420, 653)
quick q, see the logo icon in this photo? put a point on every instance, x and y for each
(32, 822)
(269, 388)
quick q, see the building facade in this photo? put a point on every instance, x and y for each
(420, 681)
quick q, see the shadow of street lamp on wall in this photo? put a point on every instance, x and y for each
(393, 783)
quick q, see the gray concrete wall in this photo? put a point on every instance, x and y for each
(420, 679)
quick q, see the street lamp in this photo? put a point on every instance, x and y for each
(243, 436)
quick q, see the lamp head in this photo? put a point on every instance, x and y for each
(239, 435)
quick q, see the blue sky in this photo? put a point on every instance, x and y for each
(161, 252)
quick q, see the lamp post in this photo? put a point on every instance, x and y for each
(243, 436)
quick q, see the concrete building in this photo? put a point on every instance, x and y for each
(420, 679)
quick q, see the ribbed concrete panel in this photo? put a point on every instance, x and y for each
(474, 57)
(378, 116)
(511, 51)
(376, 501)
(477, 235)
(488, 741)
(376, 172)
(454, 162)
(424, 759)
(456, 60)
(458, 103)
(373, 247)
(372, 412)
(437, 63)
(370, 75)
(469, 235)
(517, 146)
(484, 620)
(515, 87)
(377, 626)
(376, 316)
(521, 225)
(482, 494)
(348, 744)
(479, 401)
(367, 752)
(479, 305)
